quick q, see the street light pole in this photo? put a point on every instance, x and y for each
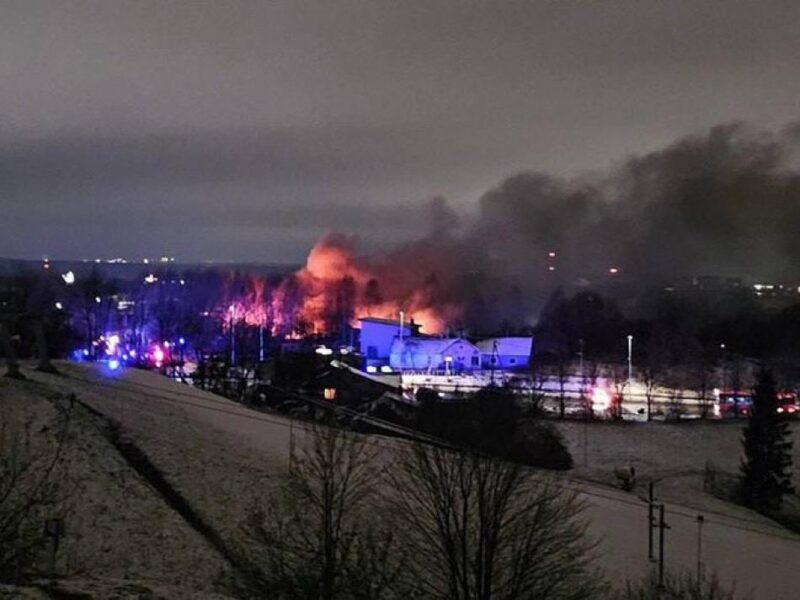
(630, 358)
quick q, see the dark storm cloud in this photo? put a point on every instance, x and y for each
(241, 130)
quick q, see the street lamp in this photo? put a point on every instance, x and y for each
(630, 358)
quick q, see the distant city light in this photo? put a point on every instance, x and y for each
(150, 278)
(613, 270)
(551, 268)
(97, 299)
(59, 306)
(68, 277)
(551, 254)
(181, 341)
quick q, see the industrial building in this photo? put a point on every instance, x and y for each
(393, 346)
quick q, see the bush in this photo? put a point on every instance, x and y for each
(544, 447)
(491, 422)
(684, 586)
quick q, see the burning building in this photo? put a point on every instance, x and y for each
(336, 287)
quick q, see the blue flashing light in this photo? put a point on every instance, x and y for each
(181, 341)
(85, 352)
(113, 364)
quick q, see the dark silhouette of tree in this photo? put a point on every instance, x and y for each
(94, 299)
(656, 357)
(321, 536)
(491, 422)
(479, 528)
(587, 316)
(766, 468)
(30, 491)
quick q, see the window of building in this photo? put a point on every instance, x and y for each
(476, 361)
(512, 361)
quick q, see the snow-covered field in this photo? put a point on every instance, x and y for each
(221, 457)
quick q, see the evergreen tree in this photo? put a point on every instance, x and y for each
(766, 474)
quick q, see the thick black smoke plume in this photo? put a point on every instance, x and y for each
(725, 202)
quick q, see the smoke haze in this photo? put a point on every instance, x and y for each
(723, 202)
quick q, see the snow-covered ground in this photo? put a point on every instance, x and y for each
(222, 457)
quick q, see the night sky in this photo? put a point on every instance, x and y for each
(246, 130)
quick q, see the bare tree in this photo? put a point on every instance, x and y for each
(619, 380)
(678, 586)
(320, 535)
(654, 368)
(701, 375)
(29, 493)
(479, 528)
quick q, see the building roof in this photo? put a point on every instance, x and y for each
(507, 346)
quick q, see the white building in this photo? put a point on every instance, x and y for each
(434, 354)
(506, 352)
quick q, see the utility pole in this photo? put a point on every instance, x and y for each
(662, 526)
(651, 521)
(700, 521)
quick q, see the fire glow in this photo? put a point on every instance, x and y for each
(336, 287)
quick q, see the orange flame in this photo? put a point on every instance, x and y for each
(336, 287)
(336, 284)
